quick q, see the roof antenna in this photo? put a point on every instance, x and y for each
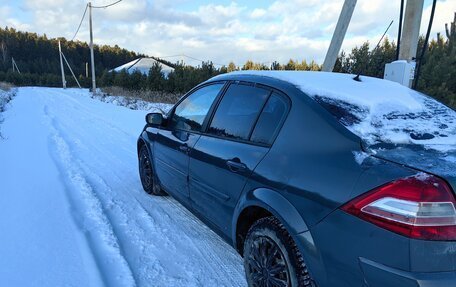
(357, 78)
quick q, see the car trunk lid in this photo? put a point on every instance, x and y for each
(424, 158)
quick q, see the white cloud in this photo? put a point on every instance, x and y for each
(258, 13)
(44, 4)
(444, 13)
(297, 29)
(218, 15)
(129, 11)
(7, 19)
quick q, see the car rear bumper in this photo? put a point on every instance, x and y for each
(378, 275)
(344, 251)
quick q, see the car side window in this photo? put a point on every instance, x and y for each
(270, 120)
(238, 111)
(189, 115)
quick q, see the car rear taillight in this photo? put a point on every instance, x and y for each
(420, 207)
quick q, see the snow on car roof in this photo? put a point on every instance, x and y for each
(379, 110)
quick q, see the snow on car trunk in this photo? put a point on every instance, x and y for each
(419, 157)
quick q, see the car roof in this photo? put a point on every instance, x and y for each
(369, 92)
(387, 111)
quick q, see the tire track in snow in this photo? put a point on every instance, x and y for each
(86, 110)
(139, 229)
(148, 267)
(204, 246)
(133, 226)
(164, 244)
(89, 215)
(215, 262)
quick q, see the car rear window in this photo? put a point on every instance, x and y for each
(270, 120)
(238, 111)
(430, 123)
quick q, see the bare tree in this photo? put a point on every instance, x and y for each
(4, 51)
(451, 31)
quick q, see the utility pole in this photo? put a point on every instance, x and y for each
(403, 70)
(339, 35)
(61, 67)
(71, 70)
(15, 68)
(411, 30)
(92, 60)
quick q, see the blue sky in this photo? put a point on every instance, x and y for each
(221, 31)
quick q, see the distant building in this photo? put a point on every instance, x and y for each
(143, 66)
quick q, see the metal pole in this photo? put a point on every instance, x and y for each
(92, 60)
(15, 65)
(411, 30)
(17, 68)
(61, 67)
(426, 40)
(339, 35)
(399, 32)
(71, 70)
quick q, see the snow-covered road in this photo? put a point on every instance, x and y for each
(72, 209)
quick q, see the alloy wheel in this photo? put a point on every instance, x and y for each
(267, 264)
(146, 169)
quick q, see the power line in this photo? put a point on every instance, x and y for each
(201, 60)
(106, 6)
(173, 56)
(190, 57)
(80, 23)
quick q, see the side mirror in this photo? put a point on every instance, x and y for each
(154, 119)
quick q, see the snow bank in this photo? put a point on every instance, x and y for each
(377, 110)
(133, 103)
(5, 97)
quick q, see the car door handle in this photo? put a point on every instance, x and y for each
(235, 166)
(184, 148)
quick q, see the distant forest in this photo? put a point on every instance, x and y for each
(37, 59)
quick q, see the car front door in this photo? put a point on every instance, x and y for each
(235, 141)
(174, 142)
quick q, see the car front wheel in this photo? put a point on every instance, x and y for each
(271, 258)
(146, 173)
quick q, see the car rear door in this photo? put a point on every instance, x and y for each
(236, 139)
(174, 142)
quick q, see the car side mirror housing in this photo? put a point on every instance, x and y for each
(154, 119)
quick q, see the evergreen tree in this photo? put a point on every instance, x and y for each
(155, 78)
(231, 67)
(290, 66)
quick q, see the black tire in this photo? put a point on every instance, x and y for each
(271, 257)
(146, 173)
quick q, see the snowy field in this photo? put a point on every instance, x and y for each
(72, 209)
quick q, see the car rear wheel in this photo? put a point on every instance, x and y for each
(147, 174)
(271, 258)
